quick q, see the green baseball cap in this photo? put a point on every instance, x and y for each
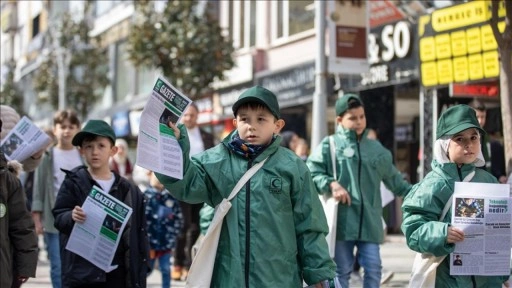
(94, 127)
(456, 119)
(261, 95)
(342, 103)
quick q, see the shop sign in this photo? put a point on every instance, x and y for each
(293, 86)
(384, 11)
(484, 90)
(456, 44)
(390, 53)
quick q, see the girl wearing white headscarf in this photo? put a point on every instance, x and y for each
(456, 152)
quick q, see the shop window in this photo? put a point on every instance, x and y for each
(290, 18)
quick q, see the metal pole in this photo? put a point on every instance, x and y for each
(319, 123)
(421, 165)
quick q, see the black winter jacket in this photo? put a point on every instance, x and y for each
(133, 250)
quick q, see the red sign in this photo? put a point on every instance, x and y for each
(488, 90)
(351, 42)
(383, 12)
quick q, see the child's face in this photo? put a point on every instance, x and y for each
(353, 119)
(64, 132)
(469, 200)
(256, 126)
(464, 147)
(97, 152)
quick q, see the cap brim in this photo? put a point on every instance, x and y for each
(463, 127)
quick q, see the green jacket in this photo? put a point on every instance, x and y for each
(422, 208)
(361, 166)
(274, 234)
(18, 240)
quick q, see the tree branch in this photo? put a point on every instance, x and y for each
(495, 4)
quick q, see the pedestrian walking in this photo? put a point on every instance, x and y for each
(48, 178)
(457, 153)
(362, 164)
(274, 234)
(96, 142)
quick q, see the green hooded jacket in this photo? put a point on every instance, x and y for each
(361, 166)
(274, 234)
(422, 208)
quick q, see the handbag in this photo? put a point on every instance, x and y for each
(425, 265)
(330, 205)
(201, 270)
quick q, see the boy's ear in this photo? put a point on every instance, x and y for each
(113, 150)
(338, 119)
(234, 122)
(279, 126)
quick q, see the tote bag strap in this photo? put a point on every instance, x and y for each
(332, 148)
(245, 178)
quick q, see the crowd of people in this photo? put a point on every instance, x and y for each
(274, 233)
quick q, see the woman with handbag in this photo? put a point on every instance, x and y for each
(426, 224)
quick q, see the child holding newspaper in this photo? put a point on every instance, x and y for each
(456, 154)
(274, 233)
(96, 142)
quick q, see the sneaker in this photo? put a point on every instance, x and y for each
(386, 276)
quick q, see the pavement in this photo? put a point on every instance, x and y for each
(395, 254)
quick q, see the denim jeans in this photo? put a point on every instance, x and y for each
(369, 258)
(164, 265)
(51, 241)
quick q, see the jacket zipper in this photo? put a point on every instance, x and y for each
(247, 226)
(360, 191)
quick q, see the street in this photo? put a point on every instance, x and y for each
(395, 255)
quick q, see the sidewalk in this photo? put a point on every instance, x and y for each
(395, 254)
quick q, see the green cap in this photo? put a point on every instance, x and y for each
(94, 127)
(342, 103)
(456, 119)
(261, 95)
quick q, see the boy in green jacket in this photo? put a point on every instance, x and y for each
(457, 153)
(274, 234)
(362, 164)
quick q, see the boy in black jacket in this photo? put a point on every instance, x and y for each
(96, 142)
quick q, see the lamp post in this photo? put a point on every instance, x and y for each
(63, 60)
(319, 123)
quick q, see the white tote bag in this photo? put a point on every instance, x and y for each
(201, 270)
(330, 206)
(425, 265)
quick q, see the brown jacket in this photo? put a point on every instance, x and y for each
(18, 240)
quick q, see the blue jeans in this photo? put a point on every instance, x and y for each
(164, 264)
(369, 259)
(51, 241)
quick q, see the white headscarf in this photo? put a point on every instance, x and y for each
(441, 151)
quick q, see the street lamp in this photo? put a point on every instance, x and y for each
(63, 60)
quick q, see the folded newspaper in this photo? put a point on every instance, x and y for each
(24, 140)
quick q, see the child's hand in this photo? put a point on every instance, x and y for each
(78, 214)
(454, 235)
(175, 129)
(341, 194)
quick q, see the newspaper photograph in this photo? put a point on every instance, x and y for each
(24, 140)
(97, 238)
(482, 211)
(157, 147)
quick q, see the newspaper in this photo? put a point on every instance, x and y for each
(157, 147)
(97, 238)
(24, 140)
(482, 211)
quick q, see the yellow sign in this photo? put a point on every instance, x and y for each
(466, 50)
(459, 16)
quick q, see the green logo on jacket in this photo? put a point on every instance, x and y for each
(275, 185)
(3, 210)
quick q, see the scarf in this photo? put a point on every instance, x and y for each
(249, 151)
